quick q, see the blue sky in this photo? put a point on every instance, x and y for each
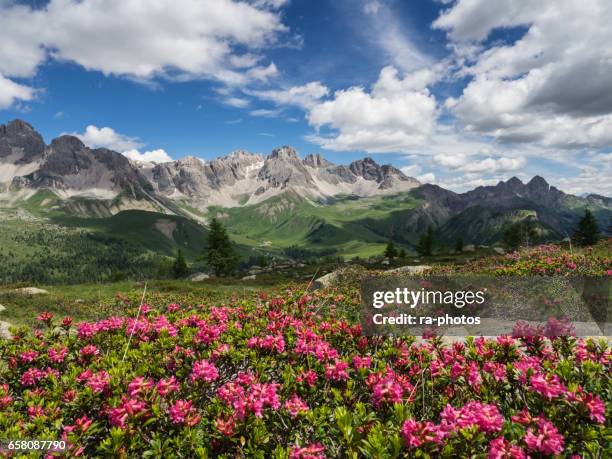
(456, 93)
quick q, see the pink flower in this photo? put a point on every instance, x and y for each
(99, 382)
(309, 377)
(67, 322)
(81, 425)
(31, 377)
(361, 362)
(5, 398)
(268, 342)
(183, 412)
(549, 386)
(167, 385)
(546, 440)
(139, 385)
(387, 390)
(296, 406)
(45, 317)
(486, 416)
(263, 395)
(498, 370)
(128, 408)
(89, 351)
(36, 411)
(416, 433)
(204, 371)
(226, 426)
(474, 377)
(499, 448)
(313, 451)
(337, 371)
(57, 354)
(596, 407)
(28, 356)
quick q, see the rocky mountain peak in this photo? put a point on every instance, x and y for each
(316, 160)
(190, 161)
(284, 152)
(17, 126)
(19, 140)
(538, 183)
(67, 143)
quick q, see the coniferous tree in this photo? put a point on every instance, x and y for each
(402, 253)
(587, 232)
(390, 251)
(459, 245)
(519, 233)
(426, 242)
(179, 268)
(512, 237)
(220, 253)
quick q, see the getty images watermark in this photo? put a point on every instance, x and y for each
(477, 305)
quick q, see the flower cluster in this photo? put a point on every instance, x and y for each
(276, 374)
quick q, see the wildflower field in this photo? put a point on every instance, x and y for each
(286, 373)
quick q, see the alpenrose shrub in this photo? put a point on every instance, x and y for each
(547, 259)
(288, 377)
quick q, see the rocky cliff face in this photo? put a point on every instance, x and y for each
(246, 178)
(72, 169)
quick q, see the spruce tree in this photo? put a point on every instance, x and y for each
(587, 232)
(459, 245)
(179, 268)
(520, 233)
(426, 242)
(390, 251)
(512, 237)
(402, 253)
(220, 253)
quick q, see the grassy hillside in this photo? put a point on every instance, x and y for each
(340, 225)
(39, 251)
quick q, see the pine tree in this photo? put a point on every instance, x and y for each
(179, 268)
(512, 237)
(459, 245)
(390, 251)
(402, 253)
(587, 232)
(520, 233)
(220, 253)
(426, 242)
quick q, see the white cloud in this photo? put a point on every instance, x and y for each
(155, 156)
(414, 170)
(429, 177)
(263, 73)
(371, 7)
(552, 87)
(107, 137)
(140, 39)
(11, 92)
(238, 102)
(474, 165)
(389, 35)
(395, 115)
(301, 96)
(265, 113)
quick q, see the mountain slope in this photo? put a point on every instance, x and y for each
(72, 170)
(269, 203)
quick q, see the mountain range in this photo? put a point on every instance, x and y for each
(273, 202)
